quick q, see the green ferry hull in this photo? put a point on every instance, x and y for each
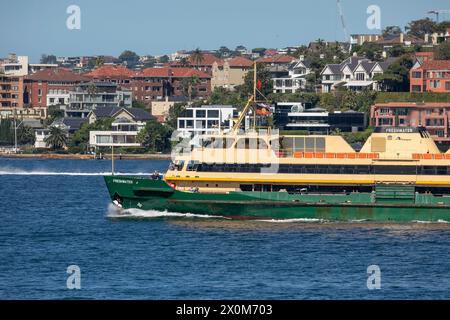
(147, 194)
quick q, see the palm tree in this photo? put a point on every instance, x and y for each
(320, 43)
(184, 62)
(99, 61)
(189, 86)
(25, 135)
(57, 139)
(197, 57)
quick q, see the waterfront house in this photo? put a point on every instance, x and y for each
(354, 73)
(295, 80)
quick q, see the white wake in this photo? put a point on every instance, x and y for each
(115, 212)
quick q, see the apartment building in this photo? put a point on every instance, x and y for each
(430, 76)
(435, 117)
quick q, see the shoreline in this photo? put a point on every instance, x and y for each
(86, 156)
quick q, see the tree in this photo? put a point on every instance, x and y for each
(420, 27)
(80, 139)
(370, 50)
(57, 139)
(139, 104)
(164, 59)
(391, 31)
(197, 57)
(262, 76)
(130, 58)
(396, 77)
(54, 112)
(175, 112)
(25, 135)
(48, 59)
(397, 51)
(222, 95)
(223, 52)
(443, 51)
(6, 131)
(259, 51)
(320, 44)
(155, 136)
(443, 26)
(184, 62)
(188, 86)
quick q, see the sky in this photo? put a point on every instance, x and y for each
(108, 27)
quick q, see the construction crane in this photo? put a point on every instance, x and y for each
(437, 13)
(341, 15)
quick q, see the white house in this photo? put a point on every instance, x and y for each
(125, 128)
(296, 79)
(206, 120)
(355, 73)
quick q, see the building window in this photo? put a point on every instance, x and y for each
(385, 122)
(435, 84)
(39, 92)
(200, 113)
(416, 88)
(416, 74)
(360, 76)
(384, 111)
(213, 113)
(447, 85)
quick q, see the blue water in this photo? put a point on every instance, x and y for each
(54, 213)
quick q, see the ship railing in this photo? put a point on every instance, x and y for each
(431, 156)
(327, 155)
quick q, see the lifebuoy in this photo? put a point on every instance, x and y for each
(173, 185)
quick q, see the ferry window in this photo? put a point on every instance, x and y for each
(309, 144)
(246, 187)
(251, 143)
(178, 165)
(192, 166)
(299, 144)
(320, 144)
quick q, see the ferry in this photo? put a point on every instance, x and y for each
(398, 175)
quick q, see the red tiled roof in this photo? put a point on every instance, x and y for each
(436, 65)
(424, 54)
(171, 72)
(240, 62)
(57, 74)
(208, 60)
(110, 71)
(280, 58)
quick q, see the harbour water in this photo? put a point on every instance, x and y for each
(56, 213)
